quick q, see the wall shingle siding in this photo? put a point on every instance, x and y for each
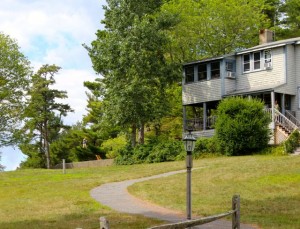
(201, 92)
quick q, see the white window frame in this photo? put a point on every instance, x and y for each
(256, 61)
(247, 63)
(265, 58)
(269, 58)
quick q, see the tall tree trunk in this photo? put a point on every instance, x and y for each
(47, 148)
(142, 134)
(133, 135)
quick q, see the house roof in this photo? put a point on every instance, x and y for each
(203, 60)
(254, 90)
(273, 44)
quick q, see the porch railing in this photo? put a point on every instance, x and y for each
(197, 123)
(287, 121)
(292, 117)
(282, 120)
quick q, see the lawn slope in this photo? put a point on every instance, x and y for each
(269, 187)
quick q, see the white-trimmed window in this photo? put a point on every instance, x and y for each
(256, 60)
(268, 56)
(246, 62)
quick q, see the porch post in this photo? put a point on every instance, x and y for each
(184, 118)
(283, 104)
(273, 106)
(204, 116)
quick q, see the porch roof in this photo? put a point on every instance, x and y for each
(253, 90)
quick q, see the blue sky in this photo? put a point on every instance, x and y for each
(52, 32)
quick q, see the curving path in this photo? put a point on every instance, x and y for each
(116, 196)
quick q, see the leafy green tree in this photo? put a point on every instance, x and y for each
(130, 55)
(210, 28)
(15, 74)
(242, 126)
(43, 115)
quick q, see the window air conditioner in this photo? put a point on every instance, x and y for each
(231, 75)
(268, 65)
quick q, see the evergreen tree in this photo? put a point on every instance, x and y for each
(289, 23)
(42, 117)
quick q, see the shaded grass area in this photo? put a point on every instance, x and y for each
(49, 199)
(269, 189)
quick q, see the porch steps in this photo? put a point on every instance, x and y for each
(286, 131)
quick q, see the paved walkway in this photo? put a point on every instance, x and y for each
(116, 196)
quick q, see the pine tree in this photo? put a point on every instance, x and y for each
(43, 116)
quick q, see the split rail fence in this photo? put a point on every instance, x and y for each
(235, 213)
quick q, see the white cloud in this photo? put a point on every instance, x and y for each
(52, 32)
(72, 81)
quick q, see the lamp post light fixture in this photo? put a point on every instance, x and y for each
(189, 146)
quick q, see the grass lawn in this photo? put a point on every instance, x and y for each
(269, 187)
(49, 199)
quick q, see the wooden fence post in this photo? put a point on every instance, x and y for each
(104, 223)
(236, 214)
(64, 166)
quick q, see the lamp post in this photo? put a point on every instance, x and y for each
(189, 145)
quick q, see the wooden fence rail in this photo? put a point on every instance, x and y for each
(235, 212)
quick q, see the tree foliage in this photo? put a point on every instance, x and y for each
(210, 28)
(69, 145)
(242, 126)
(129, 54)
(15, 71)
(43, 115)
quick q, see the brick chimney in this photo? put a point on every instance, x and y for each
(265, 36)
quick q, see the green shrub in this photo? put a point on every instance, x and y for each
(167, 150)
(113, 145)
(292, 142)
(206, 146)
(242, 126)
(274, 150)
(124, 156)
(154, 150)
(85, 154)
